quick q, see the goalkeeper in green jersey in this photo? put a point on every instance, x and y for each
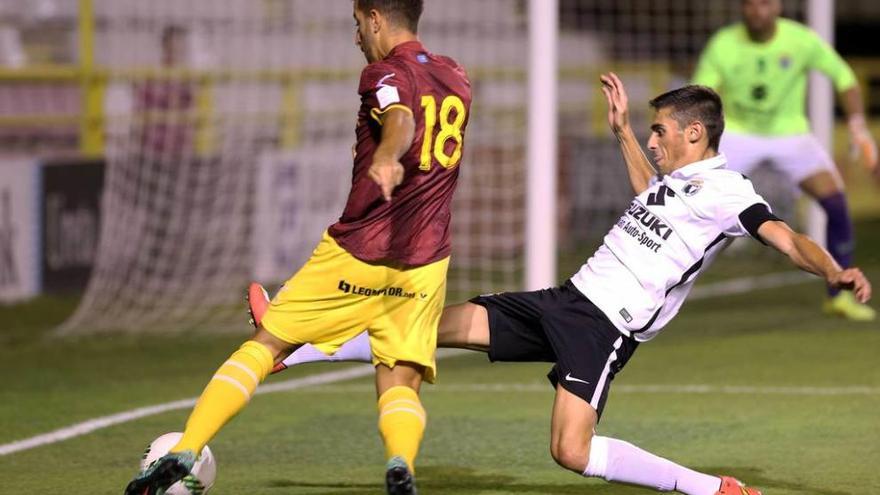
(760, 68)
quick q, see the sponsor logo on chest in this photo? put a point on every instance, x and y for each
(649, 220)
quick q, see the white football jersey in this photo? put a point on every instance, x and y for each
(670, 233)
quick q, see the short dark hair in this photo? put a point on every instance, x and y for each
(404, 13)
(695, 103)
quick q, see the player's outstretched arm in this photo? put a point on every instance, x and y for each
(398, 129)
(637, 165)
(810, 257)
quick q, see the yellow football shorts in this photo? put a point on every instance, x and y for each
(336, 296)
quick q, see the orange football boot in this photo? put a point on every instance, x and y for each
(258, 303)
(732, 486)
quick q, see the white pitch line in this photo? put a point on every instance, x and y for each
(748, 284)
(91, 425)
(730, 287)
(124, 417)
(747, 390)
(538, 387)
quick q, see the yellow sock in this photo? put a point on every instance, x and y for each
(401, 423)
(226, 394)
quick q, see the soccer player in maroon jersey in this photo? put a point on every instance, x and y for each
(162, 103)
(382, 266)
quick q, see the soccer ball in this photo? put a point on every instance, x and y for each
(197, 482)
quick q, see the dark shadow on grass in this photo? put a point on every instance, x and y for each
(463, 480)
(459, 480)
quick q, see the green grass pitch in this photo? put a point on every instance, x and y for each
(790, 403)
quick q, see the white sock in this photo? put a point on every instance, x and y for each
(623, 462)
(356, 349)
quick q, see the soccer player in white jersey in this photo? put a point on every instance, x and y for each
(684, 213)
(760, 68)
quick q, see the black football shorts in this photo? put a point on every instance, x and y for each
(559, 325)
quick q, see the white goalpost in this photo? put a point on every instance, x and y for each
(820, 17)
(543, 172)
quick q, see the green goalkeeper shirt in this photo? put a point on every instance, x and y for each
(764, 85)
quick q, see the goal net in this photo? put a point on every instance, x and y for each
(229, 124)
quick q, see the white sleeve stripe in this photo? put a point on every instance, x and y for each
(381, 82)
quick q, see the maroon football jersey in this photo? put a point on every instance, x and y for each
(413, 228)
(165, 105)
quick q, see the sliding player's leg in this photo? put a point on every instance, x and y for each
(464, 326)
(590, 351)
(574, 446)
(355, 350)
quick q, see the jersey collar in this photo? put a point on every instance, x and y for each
(406, 46)
(718, 161)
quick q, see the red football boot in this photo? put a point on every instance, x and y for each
(732, 486)
(258, 303)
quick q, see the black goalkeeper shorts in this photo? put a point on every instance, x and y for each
(559, 325)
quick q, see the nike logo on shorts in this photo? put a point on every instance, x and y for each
(570, 378)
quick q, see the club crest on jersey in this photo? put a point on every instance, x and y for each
(693, 187)
(785, 61)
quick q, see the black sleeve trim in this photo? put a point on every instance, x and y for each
(754, 216)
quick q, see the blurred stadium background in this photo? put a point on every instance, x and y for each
(217, 135)
(156, 156)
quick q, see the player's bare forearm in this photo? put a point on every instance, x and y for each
(851, 101)
(638, 167)
(812, 258)
(800, 249)
(398, 129)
